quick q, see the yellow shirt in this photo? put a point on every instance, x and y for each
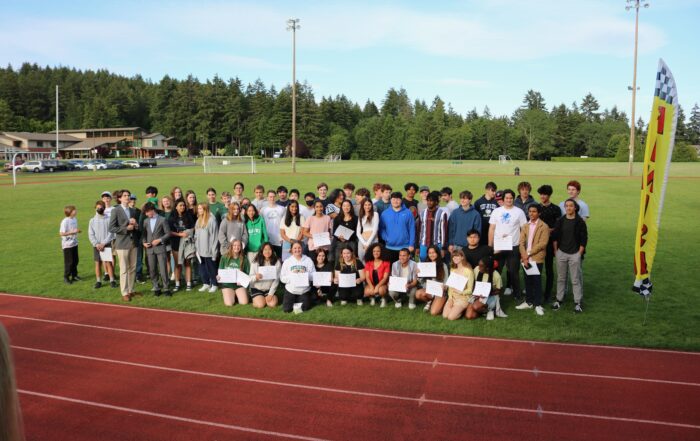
(465, 295)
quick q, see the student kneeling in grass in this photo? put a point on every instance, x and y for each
(405, 267)
(350, 264)
(297, 263)
(262, 291)
(432, 303)
(485, 273)
(234, 259)
(458, 301)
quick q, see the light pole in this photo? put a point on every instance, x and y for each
(634, 4)
(293, 25)
(56, 121)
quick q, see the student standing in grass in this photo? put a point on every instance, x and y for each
(234, 259)
(360, 195)
(69, 243)
(191, 200)
(176, 193)
(291, 227)
(570, 240)
(282, 196)
(257, 233)
(475, 251)
(155, 237)
(349, 264)
(207, 245)
(384, 201)
(573, 188)
(262, 292)
(216, 208)
(485, 205)
(316, 224)
(377, 272)
(458, 301)
(409, 201)
(424, 191)
(397, 227)
(166, 206)
(123, 224)
(432, 227)
(336, 198)
(534, 237)
(232, 228)
(524, 199)
(101, 240)
(322, 190)
(550, 213)
(237, 195)
(259, 200)
(463, 219)
(273, 215)
(347, 219)
(306, 208)
(506, 221)
(432, 303)
(297, 263)
(450, 204)
(181, 231)
(367, 227)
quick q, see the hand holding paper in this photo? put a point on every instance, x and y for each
(398, 284)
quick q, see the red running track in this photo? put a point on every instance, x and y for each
(98, 371)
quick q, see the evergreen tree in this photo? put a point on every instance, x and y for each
(694, 125)
(590, 107)
(534, 100)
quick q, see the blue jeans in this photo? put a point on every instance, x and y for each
(207, 271)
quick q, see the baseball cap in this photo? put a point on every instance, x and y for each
(423, 188)
(499, 195)
(133, 197)
(106, 193)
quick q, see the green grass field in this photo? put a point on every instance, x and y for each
(31, 260)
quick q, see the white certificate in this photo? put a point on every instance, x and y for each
(322, 278)
(397, 284)
(503, 243)
(299, 280)
(434, 288)
(242, 279)
(427, 269)
(457, 281)
(482, 289)
(267, 272)
(533, 270)
(346, 280)
(322, 239)
(227, 275)
(343, 231)
(106, 255)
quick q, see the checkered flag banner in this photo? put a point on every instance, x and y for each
(657, 161)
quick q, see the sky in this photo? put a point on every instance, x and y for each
(471, 53)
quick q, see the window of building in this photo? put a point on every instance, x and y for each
(40, 143)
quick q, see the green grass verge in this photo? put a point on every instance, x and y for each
(31, 260)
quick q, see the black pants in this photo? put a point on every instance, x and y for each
(393, 255)
(70, 262)
(549, 271)
(351, 294)
(533, 284)
(290, 299)
(511, 260)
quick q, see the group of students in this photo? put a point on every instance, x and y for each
(342, 245)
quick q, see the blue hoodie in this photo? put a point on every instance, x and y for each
(397, 228)
(460, 223)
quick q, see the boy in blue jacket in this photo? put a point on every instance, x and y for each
(397, 227)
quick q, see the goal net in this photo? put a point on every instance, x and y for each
(229, 164)
(333, 158)
(504, 159)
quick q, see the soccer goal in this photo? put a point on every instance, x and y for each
(333, 158)
(504, 160)
(229, 164)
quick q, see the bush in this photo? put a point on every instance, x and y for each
(621, 144)
(579, 159)
(684, 152)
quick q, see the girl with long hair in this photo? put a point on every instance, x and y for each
(367, 227)
(347, 219)
(324, 266)
(207, 246)
(191, 201)
(318, 223)
(262, 291)
(181, 227)
(234, 259)
(257, 233)
(377, 272)
(458, 301)
(290, 228)
(349, 264)
(232, 228)
(434, 304)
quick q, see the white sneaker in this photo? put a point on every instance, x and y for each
(343, 303)
(539, 310)
(329, 303)
(172, 277)
(213, 288)
(489, 315)
(372, 302)
(426, 308)
(501, 314)
(204, 287)
(397, 305)
(508, 292)
(383, 303)
(411, 306)
(359, 302)
(524, 305)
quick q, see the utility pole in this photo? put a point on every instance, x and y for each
(293, 25)
(56, 121)
(634, 4)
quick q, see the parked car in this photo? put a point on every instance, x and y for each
(92, 165)
(17, 165)
(77, 164)
(112, 165)
(34, 166)
(161, 156)
(148, 162)
(131, 163)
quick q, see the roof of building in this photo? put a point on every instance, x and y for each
(39, 136)
(92, 143)
(127, 129)
(153, 135)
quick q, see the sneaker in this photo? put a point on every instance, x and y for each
(177, 287)
(524, 305)
(343, 303)
(204, 287)
(329, 303)
(97, 285)
(77, 278)
(156, 292)
(372, 302)
(359, 302)
(427, 306)
(189, 287)
(172, 277)
(383, 303)
(397, 305)
(105, 278)
(411, 306)
(539, 310)
(67, 281)
(213, 289)
(168, 293)
(556, 306)
(578, 309)
(489, 315)
(501, 314)
(113, 284)
(508, 292)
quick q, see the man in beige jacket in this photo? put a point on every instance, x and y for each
(533, 248)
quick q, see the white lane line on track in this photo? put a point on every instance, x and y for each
(433, 363)
(420, 401)
(170, 417)
(348, 328)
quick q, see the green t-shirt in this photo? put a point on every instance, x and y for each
(228, 263)
(218, 210)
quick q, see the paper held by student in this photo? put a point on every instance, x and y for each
(457, 281)
(106, 255)
(227, 275)
(346, 280)
(427, 269)
(268, 272)
(434, 288)
(397, 284)
(242, 279)
(299, 280)
(343, 231)
(533, 270)
(482, 289)
(322, 239)
(323, 278)
(502, 243)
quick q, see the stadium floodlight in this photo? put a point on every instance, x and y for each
(634, 4)
(293, 25)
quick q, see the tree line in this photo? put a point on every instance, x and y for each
(246, 119)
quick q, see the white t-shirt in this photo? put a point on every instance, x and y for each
(582, 208)
(69, 224)
(273, 219)
(451, 206)
(306, 212)
(508, 222)
(292, 231)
